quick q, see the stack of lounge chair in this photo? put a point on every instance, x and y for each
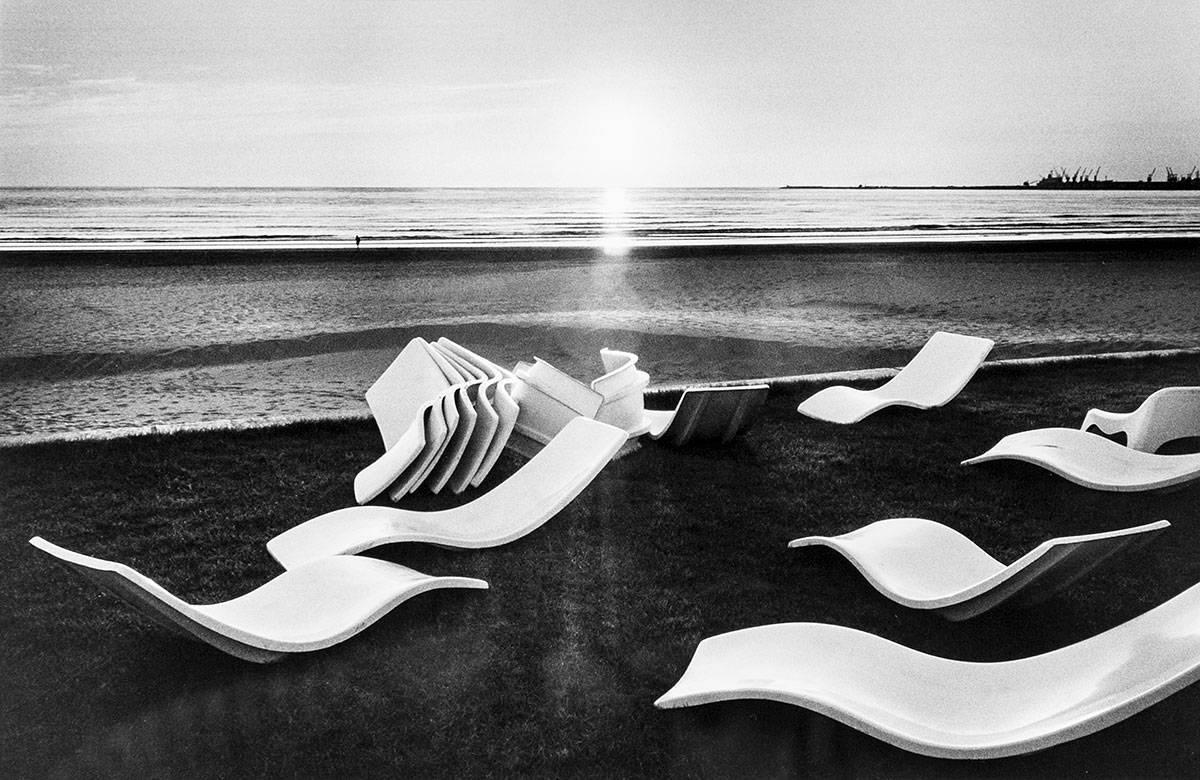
(445, 414)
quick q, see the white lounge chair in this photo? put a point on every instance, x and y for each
(393, 464)
(932, 378)
(925, 565)
(623, 387)
(456, 446)
(1093, 461)
(401, 392)
(949, 708)
(517, 506)
(307, 608)
(707, 413)
(442, 422)
(499, 395)
(426, 382)
(1166, 415)
(549, 399)
(487, 422)
(492, 370)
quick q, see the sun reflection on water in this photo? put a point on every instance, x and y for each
(615, 241)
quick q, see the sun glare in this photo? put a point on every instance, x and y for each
(612, 147)
(615, 242)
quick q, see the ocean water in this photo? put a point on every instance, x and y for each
(130, 218)
(116, 344)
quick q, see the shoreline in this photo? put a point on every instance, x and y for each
(789, 383)
(918, 247)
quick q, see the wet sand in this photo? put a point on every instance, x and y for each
(125, 339)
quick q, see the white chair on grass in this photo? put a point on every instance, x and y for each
(923, 564)
(1093, 461)
(938, 373)
(308, 608)
(399, 395)
(549, 397)
(718, 413)
(950, 708)
(516, 507)
(1166, 415)
(445, 415)
(623, 387)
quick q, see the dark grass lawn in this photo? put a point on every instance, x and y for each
(553, 671)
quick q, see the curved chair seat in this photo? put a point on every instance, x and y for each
(391, 465)
(1093, 461)
(707, 413)
(623, 388)
(1166, 415)
(400, 394)
(925, 565)
(445, 414)
(512, 509)
(487, 423)
(949, 708)
(935, 375)
(549, 398)
(498, 395)
(307, 608)
(440, 424)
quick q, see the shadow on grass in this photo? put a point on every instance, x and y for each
(588, 620)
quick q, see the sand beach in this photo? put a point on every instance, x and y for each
(131, 339)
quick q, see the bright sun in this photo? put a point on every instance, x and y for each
(612, 131)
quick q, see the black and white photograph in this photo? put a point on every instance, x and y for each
(555, 389)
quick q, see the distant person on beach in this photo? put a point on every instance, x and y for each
(357, 240)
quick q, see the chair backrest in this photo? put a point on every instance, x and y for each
(1166, 415)
(715, 412)
(399, 395)
(940, 370)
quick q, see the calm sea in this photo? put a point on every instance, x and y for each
(456, 217)
(112, 345)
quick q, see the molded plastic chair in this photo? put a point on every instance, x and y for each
(490, 369)
(623, 387)
(436, 442)
(449, 365)
(456, 446)
(457, 450)
(487, 422)
(1093, 461)
(307, 608)
(549, 399)
(517, 506)
(925, 565)
(707, 413)
(399, 395)
(932, 378)
(499, 395)
(1166, 415)
(391, 465)
(948, 708)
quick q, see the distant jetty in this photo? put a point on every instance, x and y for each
(1057, 179)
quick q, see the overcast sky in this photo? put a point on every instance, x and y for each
(604, 92)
